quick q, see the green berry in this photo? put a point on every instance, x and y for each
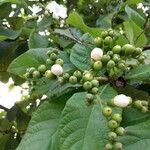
(116, 49)
(112, 136)
(49, 74)
(108, 40)
(31, 70)
(60, 61)
(118, 146)
(27, 75)
(61, 80)
(53, 56)
(116, 58)
(112, 124)
(137, 51)
(108, 146)
(95, 83)
(105, 58)
(144, 103)
(78, 74)
(87, 77)
(42, 68)
(110, 53)
(36, 74)
(138, 104)
(120, 131)
(87, 85)
(73, 80)
(111, 33)
(55, 50)
(97, 65)
(66, 76)
(128, 49)
(107, 111)
(49, 62)
(49, 52)
(117, 117)
(144, 109)
(104, 34)
(94, 90)
(98, 41)
(111, 64)
(141, 59)
(122, 66)
(89, 97)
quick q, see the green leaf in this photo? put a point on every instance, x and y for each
(38, 41)
(8, 34)
(80, 54)
(132, 2)
(75, 20)
(147, 60)
(41, 132)
(134, 16)
(35, 58)
(135, 34)
(137, 137)
(141, 72)
(83, 127)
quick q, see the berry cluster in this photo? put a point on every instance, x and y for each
(114, 57)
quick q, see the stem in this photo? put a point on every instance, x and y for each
(146, 47)
(102, 78)
(4, 108)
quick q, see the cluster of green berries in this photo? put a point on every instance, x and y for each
(114, 57)
(143, 106)
(114, 120)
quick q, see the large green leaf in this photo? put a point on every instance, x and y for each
(135, 16)
(80, 55)
(75, 20)
(83, 127)
(141, 72)
(34, 58)
(42, 129)
(137, 136)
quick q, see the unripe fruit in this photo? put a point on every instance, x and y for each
(98, 41)
(66, 76)
(120, 131)
(78, 74)
(108, 40)
(95, 83)
(87, 85)
(122, 66)
(110, 53)
(128, 49)
(112, 124)
(116, 49)
(104, 34)
(50, 62)
(89, 97)
(138, 104)
(31, 70)
(60, 61)
(105, 58)
(111, 33)
(87, 77)
(49, 53)
(112, 136)
(94, 90)
(36, 74)
(97, 65)
(42, 68)
(49, 74)
(96, 53)
(144, 103)
(56, 51)
(107, 111)
(27, 75)
(61, 80)
(118, 146)
(53, 56)
(141, 59)
(144, 109)
(116, 58)
(111, 64)
(117, 117)
(108, 146)
(57, 70)
(137, 51)
(122, 100)
(73, 80)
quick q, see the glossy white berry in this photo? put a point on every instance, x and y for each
(57, 69)
(122, 100)
(97, 53)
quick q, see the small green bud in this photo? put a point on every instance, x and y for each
(53, 56)
(107, 111)
(117, 117)
(111, 64)
(61, 80)
(137, 51)
(60, 61)
(108, 40)
(66, 76)
(73, 80)
(110, 53)
(94, 90)
(49, 74)
(128, 49)
(144, 109)
(105, 58)
(27, 75)
(89, 97)
(112, 136)
(55, 50)
(141, 59)
(87, 85)
(116, 49)
(78, 74)
(118, 146)
(108, 146)
(120, 131)
(138, 104)
(42, 68)
(36, 74)
(98, 41)
(116, 58)
(49, 62)
(112, 124)
(144, 103)
(31, 70)
(97, 65)
(104, 34)
(87, 77)
(95, 83)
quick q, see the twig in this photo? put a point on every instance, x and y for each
(146, 47)
(102, 78)
(4, 108)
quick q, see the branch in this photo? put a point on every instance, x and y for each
(146, 47)
(4, 108)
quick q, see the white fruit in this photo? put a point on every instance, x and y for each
(57, 69)
(122, 100)
(97, 53)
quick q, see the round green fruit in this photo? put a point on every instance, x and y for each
(108, 146)
(87, 85)
(112, 136)
(112, 124)
(49, 74)
(53, 56)
(66, 76)
(138, 104)
(128, 49)
(111, 33)
(78, 74)
(61, 80)
(97, 65)
(94, 90)
(117, 117)
(105, 58)
(42, 68)
(60, 61)
(95, 83)
(55, 50)
(116, 58)
(104, 34)
(116, 49)
(110, 53)
(141, 59)
(98, 41)
(36, 74)
(120, 131)
(49, 52)
(27, 75)
(87, 77)
(121, 66)
(144, 103)
(73, 80)
(49, 62)
(137, 51)
(144, 109)
(108, 40)
(107, 111)
(118, 146)
(111, 64)
(89, 97)
(31, 70)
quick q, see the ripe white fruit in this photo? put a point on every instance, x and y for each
(97, 53)
(122, 100)
(57, 69)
